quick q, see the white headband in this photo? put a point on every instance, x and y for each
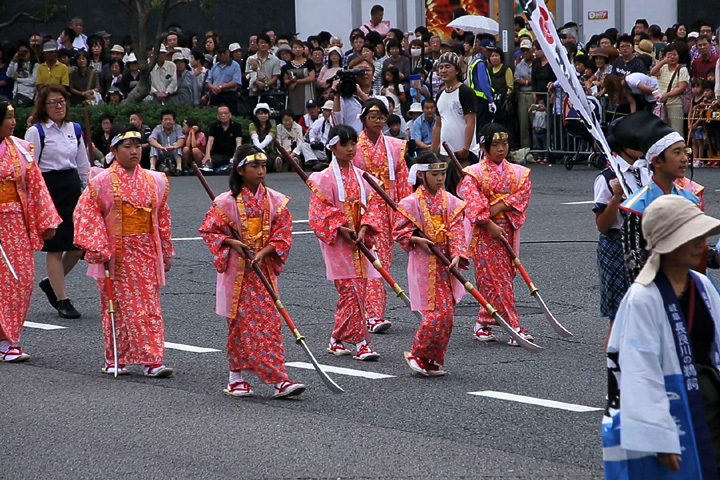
(333, 141)
(424, 167)
(252, 158)
(663, 144)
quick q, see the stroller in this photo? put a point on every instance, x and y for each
(586, 144)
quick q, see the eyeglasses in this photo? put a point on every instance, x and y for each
(377, 118)
(56, 103)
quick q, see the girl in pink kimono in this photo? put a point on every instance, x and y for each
(433, 290)
(497, 193)
(343, 204)
(384, 158)
(27, 218)
(260, 217)
(123, 218)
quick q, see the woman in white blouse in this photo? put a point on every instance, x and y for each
(61, 155)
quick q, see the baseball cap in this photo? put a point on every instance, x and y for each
(234, 46)
(525, 44)
(221, 48)
(310, 104)
(693, 35)
(50, 46)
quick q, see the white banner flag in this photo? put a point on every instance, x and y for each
(546, 34)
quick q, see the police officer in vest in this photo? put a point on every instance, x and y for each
(479, 77)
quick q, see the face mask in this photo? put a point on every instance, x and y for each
(415, 52)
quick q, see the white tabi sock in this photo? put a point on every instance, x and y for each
(360, 345)
(235, 377)
(5, 345)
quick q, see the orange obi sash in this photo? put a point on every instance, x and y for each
(8, 191)
(136, 220)
(439, 227)
(254, 234)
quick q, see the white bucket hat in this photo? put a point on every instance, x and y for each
(668, 223)
(261, 106)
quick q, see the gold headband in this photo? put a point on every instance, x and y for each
(252, 158)
(500, 136)
(125, 136)
(437, 166)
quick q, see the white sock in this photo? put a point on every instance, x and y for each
(360, 345)
(235, 377)
(333, 340)
(479, 326)
(5, 345)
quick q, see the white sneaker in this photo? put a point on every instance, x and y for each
(109, 368)
(13, 354)
(288, 389)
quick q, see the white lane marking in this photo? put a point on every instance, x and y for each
(584, 202)
(340, 370)
(301, 221)
(535, 401)
(189, 348)
(43, 326)
(193, 239)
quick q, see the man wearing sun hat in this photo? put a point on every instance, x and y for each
(666, 156)
(52, 72)
(163, 78)
(663, 413)
(319, 133)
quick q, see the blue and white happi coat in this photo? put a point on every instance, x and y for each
(653, 387)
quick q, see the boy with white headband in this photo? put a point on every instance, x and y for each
(497, 193)
(264, 224)
(123, 218)
(663, 414)
(343, 204)
(665, 152)
(433, 290)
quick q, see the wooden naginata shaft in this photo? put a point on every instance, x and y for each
(469, 287)
(299, 339)
(375, 261)
(110, 291)
(562, 331)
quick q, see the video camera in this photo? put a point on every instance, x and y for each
(348, 84)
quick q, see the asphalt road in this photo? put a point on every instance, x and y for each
(62, 418)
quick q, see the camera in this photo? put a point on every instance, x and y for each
(348, 85)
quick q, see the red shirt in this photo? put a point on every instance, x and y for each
(700, 66)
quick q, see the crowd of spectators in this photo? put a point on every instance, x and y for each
(294, 90)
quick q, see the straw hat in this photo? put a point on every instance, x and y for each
(645, 47)
(668, 223)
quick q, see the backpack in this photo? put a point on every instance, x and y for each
(41, 132)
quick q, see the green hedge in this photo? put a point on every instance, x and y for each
(150, 112)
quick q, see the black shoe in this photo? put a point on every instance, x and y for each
(66, 310)
(49, 292)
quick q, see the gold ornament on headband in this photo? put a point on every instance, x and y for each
(125, 136)
(256, 157)
(500, 136)
(437, 166)
(9, 108)
(374, 108)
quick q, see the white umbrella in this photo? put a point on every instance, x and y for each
(476, 24)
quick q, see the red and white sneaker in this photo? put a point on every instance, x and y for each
(484, 334)
(13, 354)
(158, 371)
(415, 364)
(337, 348)
(366, 353)
(238, 389)
(110, 369)
(288, 389)
(378, 326)
(523, 333)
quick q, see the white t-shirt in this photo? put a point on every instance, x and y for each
(635, 79)
(452, 108)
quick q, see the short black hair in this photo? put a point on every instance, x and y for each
(374, 102)
(167, 111)
(69, 32)
(287, 113)
(376, 9)
(264, 37)
(519, 21)
(392, 43)
(642, 22)
(393, 120)
(701, 38)
(106, 116)
(427, 100)
(422, 29)
(137, 113)
(624, 38)
(191, 122)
